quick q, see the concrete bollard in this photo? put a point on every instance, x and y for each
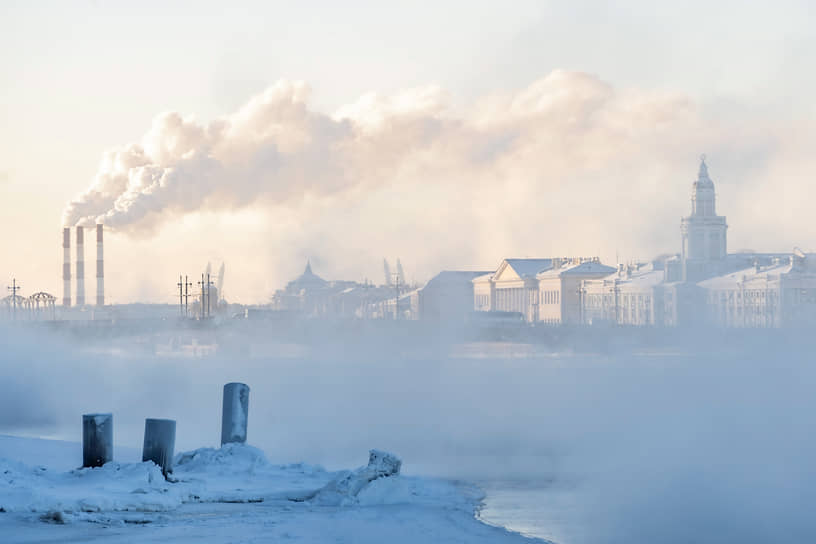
(159, 442)
(97, 439)
(235, 413)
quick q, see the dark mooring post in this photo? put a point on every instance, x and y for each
(235, 413)
(97, 439)
(159, 442)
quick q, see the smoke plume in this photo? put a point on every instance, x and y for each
(569, 165)
(277, 149)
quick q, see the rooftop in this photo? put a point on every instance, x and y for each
(578, 269)
(529, 267)
(749, 275)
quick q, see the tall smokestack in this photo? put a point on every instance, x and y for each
(66, 267)
(100, 269)
(80, 266)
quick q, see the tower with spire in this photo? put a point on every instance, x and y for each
(703, 233)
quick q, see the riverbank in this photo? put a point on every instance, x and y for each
(222, 495)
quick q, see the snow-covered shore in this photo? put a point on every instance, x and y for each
(231, 494)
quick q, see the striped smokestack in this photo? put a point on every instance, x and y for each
(66, 267)
(100, 269)
(80, 266)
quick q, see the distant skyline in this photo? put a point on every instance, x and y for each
(536, 129)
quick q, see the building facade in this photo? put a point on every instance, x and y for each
(541, 290)
(513, 287)
(705, 285)
(779, 294)
(559, 296)
(633, 295)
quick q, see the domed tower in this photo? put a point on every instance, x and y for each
(703, 232)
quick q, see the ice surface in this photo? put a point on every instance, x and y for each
(230, 493)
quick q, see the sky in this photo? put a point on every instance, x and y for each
(448, 134)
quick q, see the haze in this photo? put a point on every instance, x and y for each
(540, 116)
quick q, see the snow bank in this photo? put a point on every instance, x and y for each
(234, 473)
(209, 493)
(344, 491)
(113, 487)
(241, 473)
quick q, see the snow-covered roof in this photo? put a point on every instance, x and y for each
(526, 268)
(645, 276)
(578, 269)
(746, 276)
(456, 276)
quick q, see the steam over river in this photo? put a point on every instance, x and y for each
(705, 442)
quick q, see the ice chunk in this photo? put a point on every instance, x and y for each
(383, 463)
(344, 490)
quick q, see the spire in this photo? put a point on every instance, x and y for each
(703, 181)
(703, 174)
(308, 271)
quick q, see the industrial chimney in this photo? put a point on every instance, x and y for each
(66, 267)
(80, 267)
(100, 268)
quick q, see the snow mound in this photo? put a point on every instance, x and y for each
(236, 473)
(228, 459)
(112, 487)
(344, 490)
(348, 506)
(242, 473)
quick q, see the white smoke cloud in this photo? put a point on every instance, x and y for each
(568, 165)
(276, 147)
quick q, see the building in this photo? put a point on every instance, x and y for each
(779, 294)
(633, 295)
(542, 290)
(704, 244)
(448, 296)
(513, 287)
(559, 289)
(705, 285)
(309, 295)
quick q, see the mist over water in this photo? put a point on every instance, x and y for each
(696, 442)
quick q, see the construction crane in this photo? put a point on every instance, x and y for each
(400, 273)
(220, 284)
(387, 273)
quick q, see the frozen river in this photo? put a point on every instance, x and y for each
(538, 509)
(711, 443)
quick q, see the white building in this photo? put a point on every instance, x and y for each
(541, 290)
(780, 294)
(631, 296)
(706, 285)
(513, 287)
(559, 289)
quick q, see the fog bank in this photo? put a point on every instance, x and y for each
(705, 445)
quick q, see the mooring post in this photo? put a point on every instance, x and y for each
(235, 413)
(97, 439)
(159, 442)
